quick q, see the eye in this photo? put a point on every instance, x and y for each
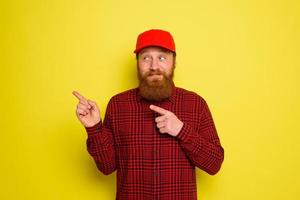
(146, 58)
(162, 58)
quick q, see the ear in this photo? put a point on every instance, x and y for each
(174, 61)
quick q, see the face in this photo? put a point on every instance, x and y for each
(155, 73)
(154, 61)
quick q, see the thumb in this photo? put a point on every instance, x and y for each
(93, 104)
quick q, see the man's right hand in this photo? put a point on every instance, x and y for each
(87, 111)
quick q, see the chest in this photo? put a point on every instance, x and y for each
(134, 124)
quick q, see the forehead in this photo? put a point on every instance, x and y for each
(154, 49)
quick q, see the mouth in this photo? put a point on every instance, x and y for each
(155, 77)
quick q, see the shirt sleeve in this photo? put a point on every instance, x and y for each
(100, 144)
(201, 143)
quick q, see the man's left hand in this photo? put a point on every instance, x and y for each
(167, 122)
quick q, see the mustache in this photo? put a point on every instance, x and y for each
(157, 72)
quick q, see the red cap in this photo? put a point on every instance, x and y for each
(155, 37)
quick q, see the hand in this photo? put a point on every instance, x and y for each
(167, 122)
(87, 111)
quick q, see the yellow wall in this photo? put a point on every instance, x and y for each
(241, 56)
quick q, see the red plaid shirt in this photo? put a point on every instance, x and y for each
(151, 165)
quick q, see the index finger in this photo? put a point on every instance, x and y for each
(158, 109)
(79, 96)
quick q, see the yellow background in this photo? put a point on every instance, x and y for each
(241, 56)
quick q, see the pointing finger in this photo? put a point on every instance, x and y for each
(158, 109)
(79, 96)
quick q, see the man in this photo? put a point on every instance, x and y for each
(154, 135)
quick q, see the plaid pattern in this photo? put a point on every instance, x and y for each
(151, 165)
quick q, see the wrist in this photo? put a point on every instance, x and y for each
(180, 125)
(94, 129)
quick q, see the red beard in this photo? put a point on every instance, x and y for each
(154, 89)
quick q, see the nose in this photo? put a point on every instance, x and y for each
(154, 64)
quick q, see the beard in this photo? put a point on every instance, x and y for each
(156, 89)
